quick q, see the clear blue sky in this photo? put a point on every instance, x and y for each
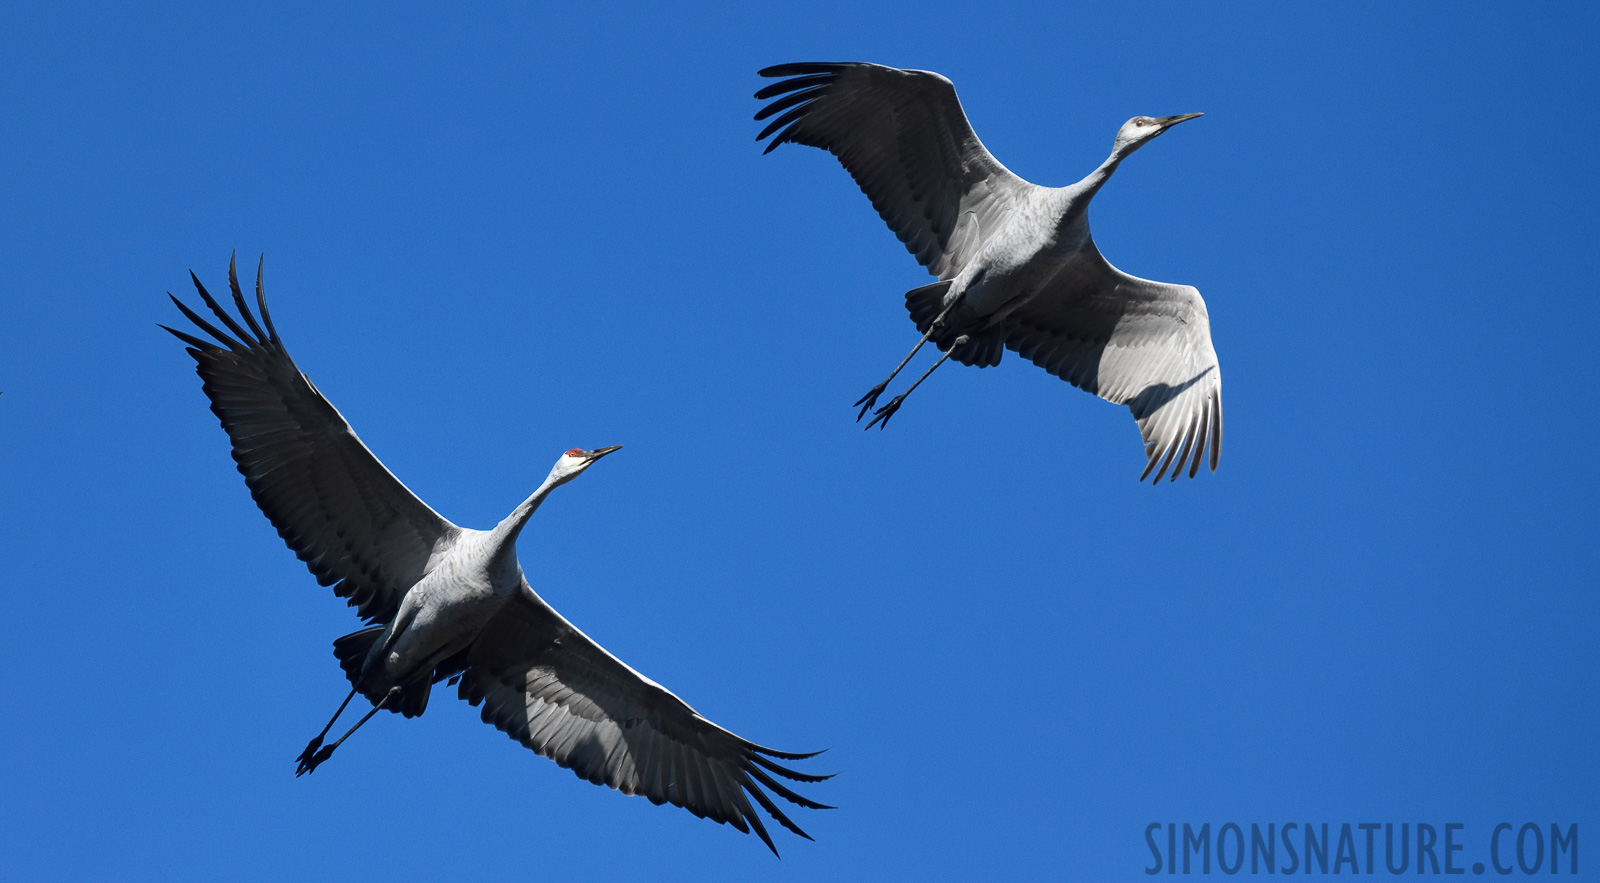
(497, 234)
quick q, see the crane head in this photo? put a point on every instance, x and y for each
(1138, 132)
(573, 462)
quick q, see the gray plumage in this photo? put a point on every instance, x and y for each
(1016, 265)
(453, 602)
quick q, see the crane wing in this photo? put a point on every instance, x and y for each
(901, 134)
(1135, 342)
(547, 685)
(348, 518)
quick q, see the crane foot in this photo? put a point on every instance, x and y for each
(881, 418)
(311, 750)
(871, 398)
(310, 761)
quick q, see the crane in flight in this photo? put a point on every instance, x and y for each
(1016, 265)
(451, 602)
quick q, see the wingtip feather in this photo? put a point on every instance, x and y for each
(773, 810)
(801, 67)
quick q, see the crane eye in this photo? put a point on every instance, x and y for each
(575, 452)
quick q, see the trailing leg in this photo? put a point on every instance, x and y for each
(918, 300)
(305, 758)
(887, 411)
(309, 764)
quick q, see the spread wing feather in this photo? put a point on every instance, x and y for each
(549, 686)
(1134, 342)
(901, 134)
(347, 517)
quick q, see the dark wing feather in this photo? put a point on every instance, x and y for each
(901, 134)
(550, 687)
(347, 517)
(1135, 342)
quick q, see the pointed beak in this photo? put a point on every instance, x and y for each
(1168, 122)
(597, 453)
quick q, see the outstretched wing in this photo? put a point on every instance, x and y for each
(347, 517)
(548, 686)
(1135, 342)
(901, 134)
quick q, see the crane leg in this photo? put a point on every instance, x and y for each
(310, 760)
(871, 398)
(881, 418)
(311, 748)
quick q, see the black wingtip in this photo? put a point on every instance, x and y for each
(220, 313)
(785, 755)
(239, 302)
(794, 113)
(261, 301)
(778, 788)
(761, 831)
(793, 84)
(194, 343)
(772, 810)
(202, 324)
(807, 82)
(788, 773)
(801, 67)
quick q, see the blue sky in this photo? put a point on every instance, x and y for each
(494, 235)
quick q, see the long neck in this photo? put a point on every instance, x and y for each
(1091, 184)
(511, 527)
(1078, 195)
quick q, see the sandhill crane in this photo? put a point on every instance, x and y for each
(1015, 262)
(447, 601)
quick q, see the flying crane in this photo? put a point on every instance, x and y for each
(452, 602)
(1016, 265)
